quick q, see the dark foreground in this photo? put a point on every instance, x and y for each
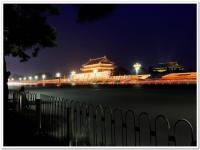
(20, 130)
(23, 125)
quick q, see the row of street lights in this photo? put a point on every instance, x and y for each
(36, 77)
(31, 78)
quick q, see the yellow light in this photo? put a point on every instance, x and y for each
(58, 74)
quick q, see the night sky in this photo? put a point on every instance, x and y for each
(145, 33)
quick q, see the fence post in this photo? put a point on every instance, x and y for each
(69, 127)
(38, 115)
(20, 103)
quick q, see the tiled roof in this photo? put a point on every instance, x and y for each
(103, 60)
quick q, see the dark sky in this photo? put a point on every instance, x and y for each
(145, 33)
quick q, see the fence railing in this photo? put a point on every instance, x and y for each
(79, 124)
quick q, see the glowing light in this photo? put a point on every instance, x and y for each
(12, 79)
(137, 67)
(73, 73)
(43, 76)
(24, 78)
(58, 74)
(30, 78)
(20, 79)
(36, 77)
(73, 84)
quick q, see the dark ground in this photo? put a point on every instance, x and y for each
(20, 130)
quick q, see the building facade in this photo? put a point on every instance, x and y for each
(97, 68)
(168, 67)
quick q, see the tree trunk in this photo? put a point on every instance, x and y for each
(6, 75)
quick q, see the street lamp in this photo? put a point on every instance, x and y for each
(12, 79)
(24, 78)
(58, 75)
(30, 78)
(43, 76)
(20, 79)
(36, 77)
(137, 67)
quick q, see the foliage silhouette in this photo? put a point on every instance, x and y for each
(26, 29)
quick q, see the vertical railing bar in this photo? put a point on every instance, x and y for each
(190, 127)
(132, 114)
(144, 114)
(168, 127)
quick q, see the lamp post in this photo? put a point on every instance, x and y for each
(30, 79)
(137, 67)
(58, 75)
(20, 79)
(36, 77)
(43, 77)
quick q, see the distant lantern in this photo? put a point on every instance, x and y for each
(137, 67)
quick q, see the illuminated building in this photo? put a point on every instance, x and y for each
(97, 68)
(99, 64)
(168, 67)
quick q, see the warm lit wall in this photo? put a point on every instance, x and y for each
(91, 75)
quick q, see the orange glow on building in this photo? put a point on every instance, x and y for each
(186, 75)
